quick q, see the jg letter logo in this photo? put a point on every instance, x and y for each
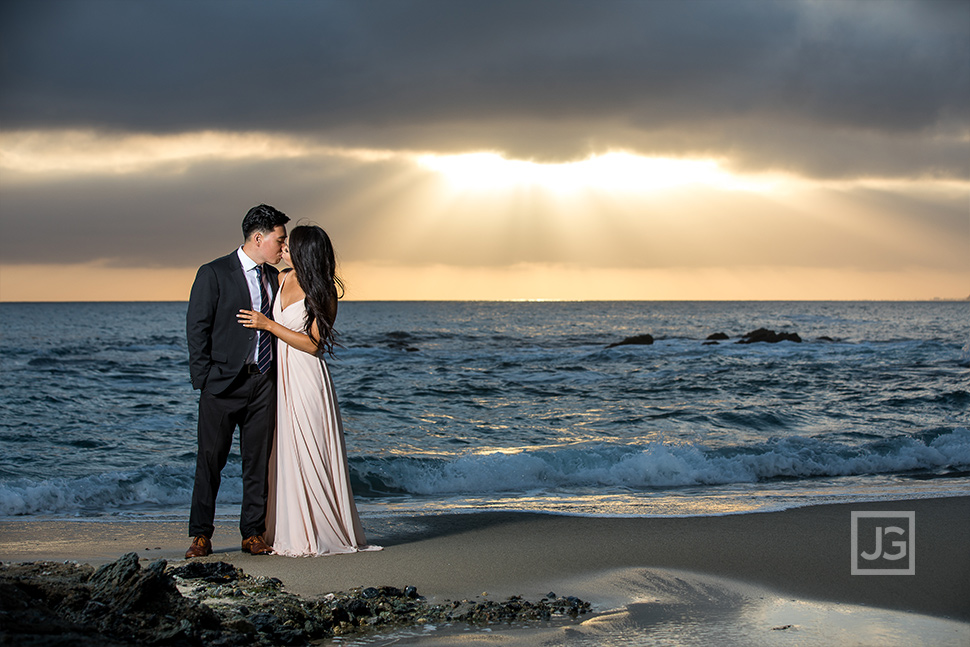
(884, 543)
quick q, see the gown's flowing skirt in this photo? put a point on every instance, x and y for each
(311, 509)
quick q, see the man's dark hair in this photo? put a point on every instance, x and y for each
(264, 219)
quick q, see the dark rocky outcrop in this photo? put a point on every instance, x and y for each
(47, 603)
(768, 336)
(214, 603)
(718, 336)
(636, 340)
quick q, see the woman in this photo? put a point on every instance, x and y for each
(310, 508)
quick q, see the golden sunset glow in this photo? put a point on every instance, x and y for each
(525, 282)
(613, 226)
(619, 172)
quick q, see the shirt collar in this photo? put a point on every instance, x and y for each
(247, 263)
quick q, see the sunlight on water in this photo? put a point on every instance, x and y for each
(679, 502)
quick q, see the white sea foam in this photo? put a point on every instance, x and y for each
(158, 487)
(662, 465)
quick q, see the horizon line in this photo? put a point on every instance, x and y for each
(540, 300)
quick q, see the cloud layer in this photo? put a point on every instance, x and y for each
(137, 134)
(825, 88)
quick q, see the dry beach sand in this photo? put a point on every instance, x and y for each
(761, 576)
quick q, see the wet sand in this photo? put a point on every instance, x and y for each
(645, 570)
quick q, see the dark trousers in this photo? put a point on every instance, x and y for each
(250, 404)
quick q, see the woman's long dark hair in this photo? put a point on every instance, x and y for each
(312, 254)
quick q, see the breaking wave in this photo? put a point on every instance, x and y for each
(590, 466)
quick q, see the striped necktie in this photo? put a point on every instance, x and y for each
(265, 359)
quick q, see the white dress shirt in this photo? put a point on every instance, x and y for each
(249, 269)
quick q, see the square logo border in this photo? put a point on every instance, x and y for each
(911, 542)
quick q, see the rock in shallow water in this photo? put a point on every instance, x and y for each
(768, 336)
(636, 340)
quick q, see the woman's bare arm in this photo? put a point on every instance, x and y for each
(298, 340)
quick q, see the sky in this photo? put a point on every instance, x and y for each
(492, 150)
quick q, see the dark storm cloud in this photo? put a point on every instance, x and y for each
(773, 84)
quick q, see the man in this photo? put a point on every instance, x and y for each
(234, 368)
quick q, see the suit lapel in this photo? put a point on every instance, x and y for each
(239, 280)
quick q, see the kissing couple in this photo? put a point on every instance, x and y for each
(257, 340)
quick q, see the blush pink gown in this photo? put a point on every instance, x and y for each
(310, 508)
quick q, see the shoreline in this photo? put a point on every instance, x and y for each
(802, 551)
(758, 577)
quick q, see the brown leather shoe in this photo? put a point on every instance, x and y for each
(201, 546)
(256, 545)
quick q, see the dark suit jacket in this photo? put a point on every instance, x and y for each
(219, 345)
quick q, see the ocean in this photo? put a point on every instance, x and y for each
(469, 406)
